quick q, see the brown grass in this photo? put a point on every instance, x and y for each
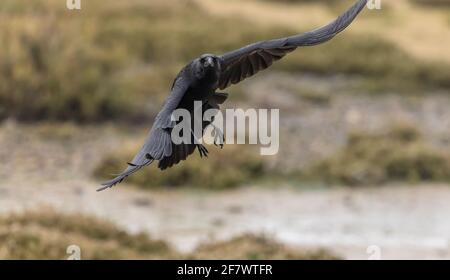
(118, 60)
(230, 167)
(106, 61)
(257, 247)
(47, 234)
(400, 154)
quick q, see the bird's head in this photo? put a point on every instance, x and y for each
(206, 65)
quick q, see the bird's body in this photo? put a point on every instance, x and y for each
(200, 89)
(201, 79)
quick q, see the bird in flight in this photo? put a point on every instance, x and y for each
(200, 80)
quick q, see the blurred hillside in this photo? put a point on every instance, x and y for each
(79, 90)
(117, 61)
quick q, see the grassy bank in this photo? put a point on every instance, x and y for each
(233, 166)
(399, 154)
(46, 235)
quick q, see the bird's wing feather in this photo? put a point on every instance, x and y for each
(242, 63)
(182, 151)
(158, 143)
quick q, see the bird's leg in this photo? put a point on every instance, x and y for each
(219, 138)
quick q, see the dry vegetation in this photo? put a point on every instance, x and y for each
(383, 66)
(46, 235)
(257, 248)
(399, 154)
(109, 61)
(230, 167)
(439, 3)
(103, 62)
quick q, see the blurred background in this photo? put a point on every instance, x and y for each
(364, 163)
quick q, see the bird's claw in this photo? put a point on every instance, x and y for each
(202, 150)
(218, 145)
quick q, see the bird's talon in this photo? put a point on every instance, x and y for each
(202, 150)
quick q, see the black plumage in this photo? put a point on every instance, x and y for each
(200, 79)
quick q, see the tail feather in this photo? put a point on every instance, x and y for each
(157, 146)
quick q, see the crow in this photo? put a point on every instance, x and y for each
(200, 80)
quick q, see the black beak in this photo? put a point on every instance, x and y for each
(209, 62)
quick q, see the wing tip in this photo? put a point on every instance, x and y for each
(117, 180)
(110, 184)
(103, 188)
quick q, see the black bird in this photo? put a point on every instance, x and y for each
(200, 80)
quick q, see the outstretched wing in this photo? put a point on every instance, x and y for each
(249, 60)
(158, 143)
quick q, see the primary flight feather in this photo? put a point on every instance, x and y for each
(201, 78)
